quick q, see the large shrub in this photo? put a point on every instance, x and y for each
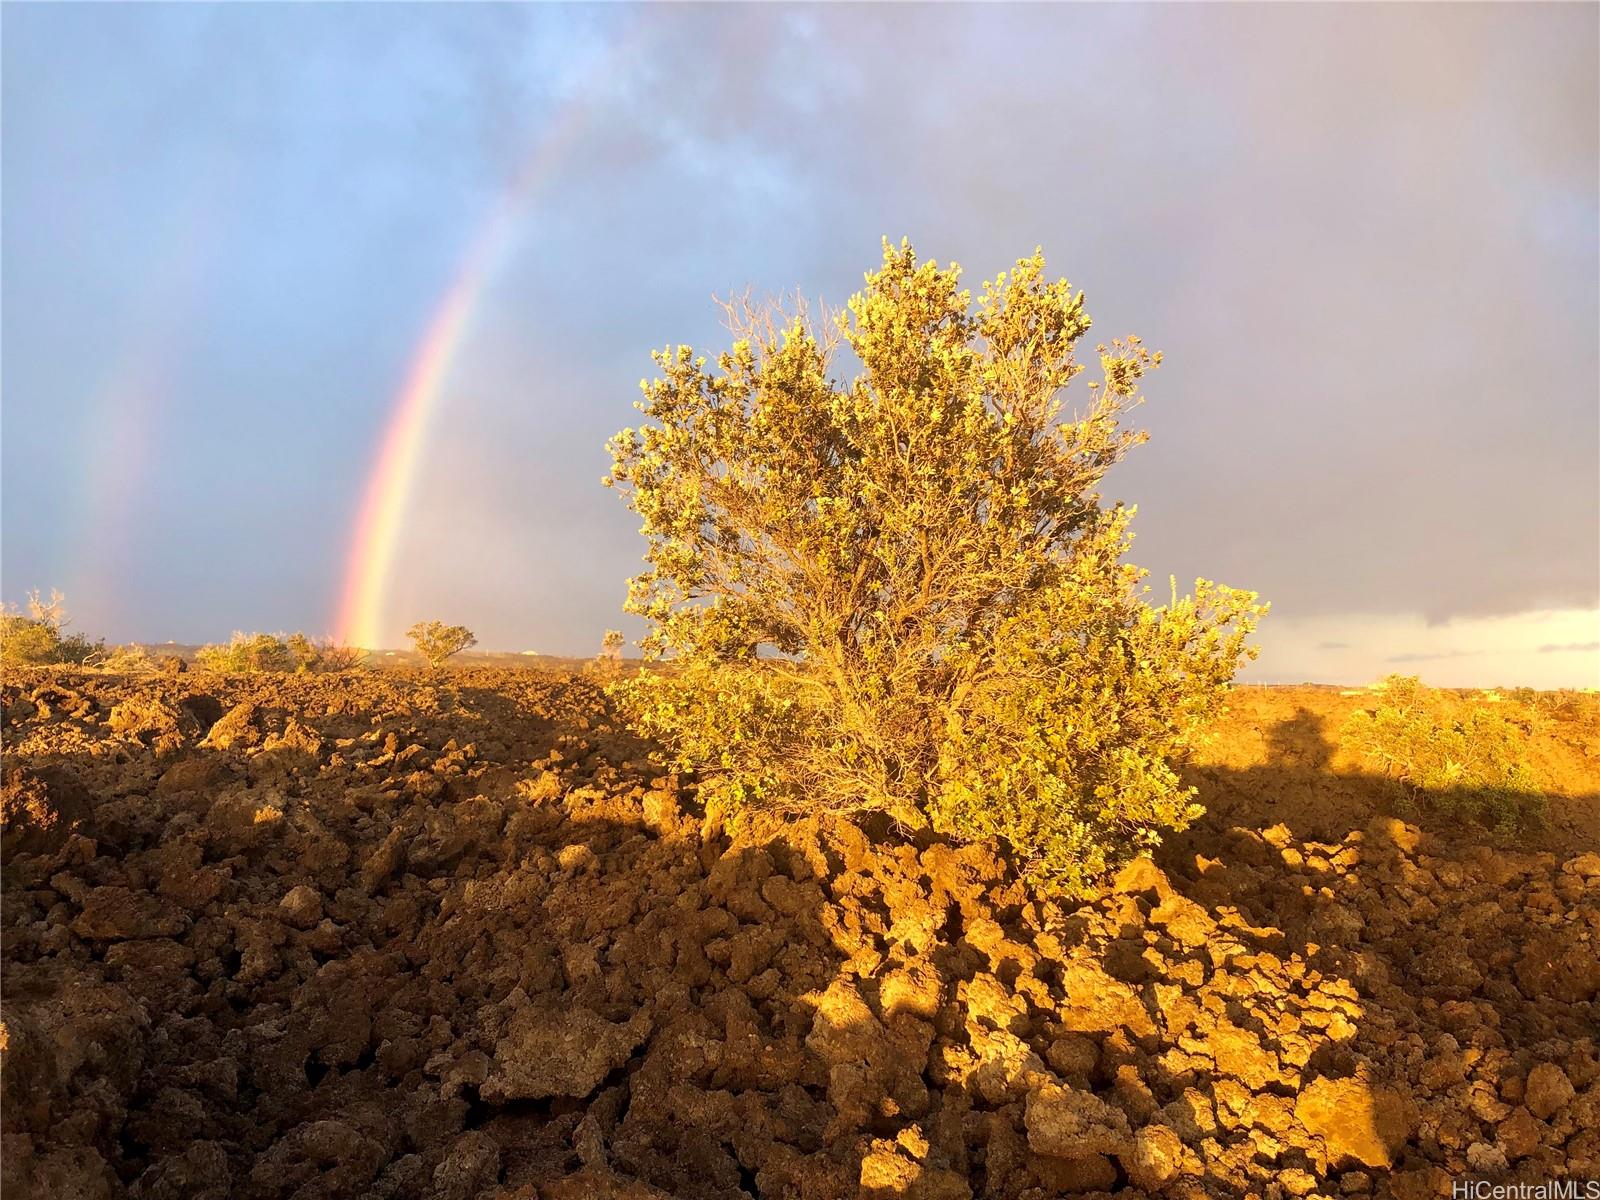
(1459, 756)
(39, 637)
(903, 592)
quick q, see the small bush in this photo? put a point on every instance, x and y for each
(608, 663)
(248, 654)
(1457, 756)
(255, 653)
(436, 641)
(323, 655)
(127, 660)
(38, 637)
(903, 592)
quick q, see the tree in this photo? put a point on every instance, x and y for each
(436, 641)
(903, 592)
(611, 645)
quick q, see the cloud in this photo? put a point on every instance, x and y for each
(1284, 201)
(1570, 648)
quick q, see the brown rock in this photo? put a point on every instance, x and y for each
(301, 907)
(1584, 866)
(1548, 1091)
(568, 1053)
(1185, 920)
(40, 810)
(1141, 877)
(190, 775)
(596, 1184)
(1070, 1123)
(471, 1168)
(1394, 833)
(239, 729)
(110, 913)
(844, 1029)
(1520, 1134)
(1556, 965)
(1156, 1158)
(1097, 1002)
(1073, 1055)
(1239, 1053)
(889, 1173)
(1088, 1173)
(1355, 1120)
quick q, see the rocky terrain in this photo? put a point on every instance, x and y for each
(375, 936)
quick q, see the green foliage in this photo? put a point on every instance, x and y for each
(1460, 757)
(904, 592)
(254, 653)
(436, 641)
(248, 654)
(38, 637)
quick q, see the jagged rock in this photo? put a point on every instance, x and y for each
(1069, 1123)
(1156, 1158)
(40, 809)
(110, 913)
(1355, 1120)
(1557, 965)
(1548, 1090)
(471, 1168)
(301, 906)
(238, 729)
(559, 1053)
(889, 1173)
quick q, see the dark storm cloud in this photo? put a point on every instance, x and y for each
(1364, 235)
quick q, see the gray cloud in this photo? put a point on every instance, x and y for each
(1364, 235)
(1434, 657)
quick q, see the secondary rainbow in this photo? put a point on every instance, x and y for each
(386, 497)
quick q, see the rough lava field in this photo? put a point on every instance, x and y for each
(376, 936)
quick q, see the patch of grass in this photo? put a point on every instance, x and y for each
(1459, 756)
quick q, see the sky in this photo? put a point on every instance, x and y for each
(1366, 237)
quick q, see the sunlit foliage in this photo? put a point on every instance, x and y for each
(39, 637)
(1460, 756)
(436, 641)
(254, 653)
(904, 592)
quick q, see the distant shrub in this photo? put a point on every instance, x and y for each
(248, 654)
(323, 654)
(38, 636)
(127, 660)
(608, 663)
(436, 641)
(903, 593)
(1463, 757)
(255, 653)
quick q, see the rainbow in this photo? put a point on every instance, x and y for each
(386, 498)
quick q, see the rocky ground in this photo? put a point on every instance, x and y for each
(371, 936)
